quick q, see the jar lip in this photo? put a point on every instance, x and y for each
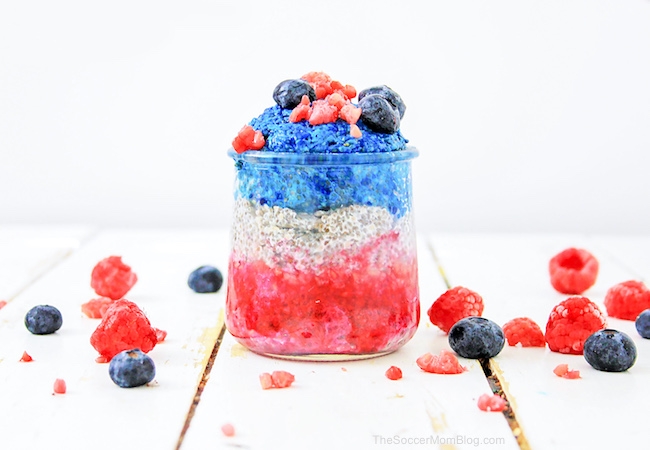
(329, 159)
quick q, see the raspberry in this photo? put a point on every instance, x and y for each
(523, 331)
(562, 370)
(112, 278)
(493, 402)
(278, 379)
(627, 300)
(394, 373)
(445, 363)
(571, 322)
(123, 327)
(59, 386)
(455, 304)
(96, 308)
(573, 271)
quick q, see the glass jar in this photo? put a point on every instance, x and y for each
(323, 264)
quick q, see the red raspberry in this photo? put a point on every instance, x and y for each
(493, 402)
(573, 271)
(123, 327)
(112, 278)
(627, 300)
(524, 331)
(394, 373)
(571, 322)
(455, 304)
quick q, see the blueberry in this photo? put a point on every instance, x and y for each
(378, 114)
(205, 279)
(289, 93)
(642, 324)
(43, 319)
(384, 91)
(610, 351)
(476, 337)
(131, 368)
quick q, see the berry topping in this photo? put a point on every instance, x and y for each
(248, 139)
(131, 368)
(324, 85)
(278, 379)
(524, 332)
(476, 337)
(394, 373)
(455, 304)
(59, 386)
(627, 300)
(562, 370)
(642, 324)
(323, 112)
(384, 91)
(96, 308)
(26, 357)
(112, 278)
(288, 93)
(573, 271)
(205, 279)
(378, 114)
(610, 351)
(123, 327)
(445, 363)
(43, 319)
(571, 322)
(487, 402)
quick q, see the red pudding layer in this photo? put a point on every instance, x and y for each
(356, 303)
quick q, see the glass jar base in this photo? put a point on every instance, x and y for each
(327, 357)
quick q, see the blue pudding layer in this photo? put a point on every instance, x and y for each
(301, 137)
(308, 183)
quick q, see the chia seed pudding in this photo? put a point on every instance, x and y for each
(323, 263)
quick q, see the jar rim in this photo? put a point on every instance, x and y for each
(325, 159)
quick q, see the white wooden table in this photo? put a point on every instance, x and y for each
(205, 379)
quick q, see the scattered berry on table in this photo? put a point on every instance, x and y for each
(123, 327)
(228, 429)
(642, 324)
(573, 271)
(455, 304)
(60, 386)
(43, 319)
(394, 373)
(278, 379)
(494, 402)
(288, 93)
(96, 308)
(562, 370)
(610, 351)
(571, 322)
(378, 114)
(445, 363)
(523, 331)
(384, 91)
(627, 300)
(161, 335)
(112, 278)
(476, 337)
(26, 357)
(205, 279)
(3, 303)
(131, 368)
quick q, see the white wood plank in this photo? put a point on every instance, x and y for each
(510, 272)
(348, 404)
(26, 252)
(95, 413)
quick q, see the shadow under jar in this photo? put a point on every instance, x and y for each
(323, 263)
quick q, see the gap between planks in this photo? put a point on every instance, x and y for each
(490, 369)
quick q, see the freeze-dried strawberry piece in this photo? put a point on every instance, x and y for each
(394, 373)
(96, 308)
(26, 357)
(112, 278)
(278, 379)
(562, 370)
(445, 363)
(59, 386)
(493, 402)
(123, 327)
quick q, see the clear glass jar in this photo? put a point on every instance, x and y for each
(323, 264)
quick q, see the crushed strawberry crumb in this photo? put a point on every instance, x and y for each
(161, 335)
(571, 322)
(60, 386)
(228, 429)
(26, 357)
(445, 363)
(573, 271)
(487, 402)
(524, 332)
(562, 370)
(248, 139)
(455, 304)
(394, 373)
(278, 379)
(3, 303)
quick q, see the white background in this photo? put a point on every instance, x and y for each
(529, 115)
